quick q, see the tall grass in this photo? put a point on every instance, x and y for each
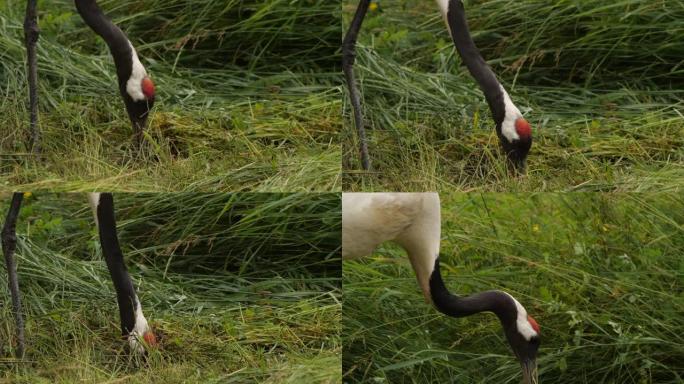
(248, 97)
(239, 288)
(602, 274)
(600, 83)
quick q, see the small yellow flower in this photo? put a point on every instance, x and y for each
(27, 195)
(535, 228)
(373, 6)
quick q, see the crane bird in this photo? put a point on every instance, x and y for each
(134, 326)
(135, 86)
(514, 132)
(412, 220)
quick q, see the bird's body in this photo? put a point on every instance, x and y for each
(413, 221)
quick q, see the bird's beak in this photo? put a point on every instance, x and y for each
(139, 122)
(529, 370)
(521, 167)
(518, 166)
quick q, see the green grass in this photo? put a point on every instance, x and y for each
(239, 288)
(603, 275)
(248, 98)
(600, 83)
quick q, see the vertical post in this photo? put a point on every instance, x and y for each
(31, 33)
(9, 244)
(348, 58)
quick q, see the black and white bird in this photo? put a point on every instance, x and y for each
(135, 85)
(134, 326)
(514, 132)
(413, 221)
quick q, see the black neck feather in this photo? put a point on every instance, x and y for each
(476, 65)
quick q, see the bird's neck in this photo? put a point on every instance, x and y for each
(478, 68)
(116, 40)
(126, 297)
(498, 302)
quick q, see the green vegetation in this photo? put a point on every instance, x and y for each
(239, 288)
(600, 82)
(248, 97)
(603, 274)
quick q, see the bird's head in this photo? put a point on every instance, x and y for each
(523, 335)
(522, 331)
(139, 99)
(516, 141)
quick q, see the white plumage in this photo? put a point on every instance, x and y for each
(138, 73)
(411, 220)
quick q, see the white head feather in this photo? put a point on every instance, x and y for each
(138, 73)
(512, 114)
(522, 323)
